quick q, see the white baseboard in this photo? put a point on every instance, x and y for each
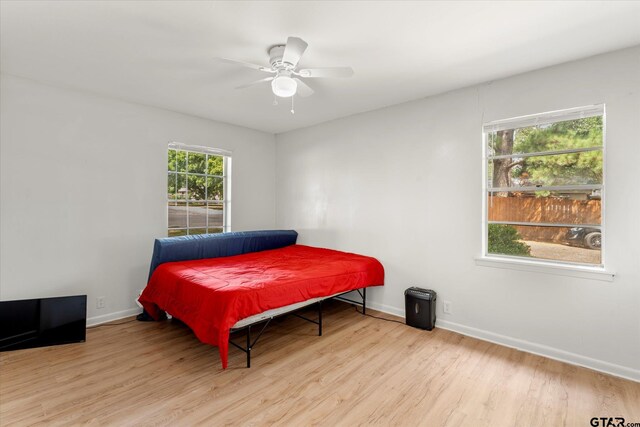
(543, 350)
(96, 320)
(526, 346)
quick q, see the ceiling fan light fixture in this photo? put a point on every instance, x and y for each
(284, 86)
(286, 79)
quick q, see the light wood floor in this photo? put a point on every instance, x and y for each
(362, 371)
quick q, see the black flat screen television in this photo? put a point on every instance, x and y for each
(42, 322)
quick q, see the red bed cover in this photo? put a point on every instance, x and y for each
(211, 295)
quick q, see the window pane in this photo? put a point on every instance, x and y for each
(562, 169)
(181, 186)
(215, 165)
(197, 231)
(490, 170)
(578, 244)
(565, 135)
(197, 215)
(171, 156)
(215, 230)
(197, 187)
(177, 214)
(215, 189)
(177, 232)
(172, 190)
(197, 162)
(181, 161)
(215, 214)
(554, 207)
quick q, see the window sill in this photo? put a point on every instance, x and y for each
(584, 272)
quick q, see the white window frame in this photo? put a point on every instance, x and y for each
(597, 272)
(226, 182)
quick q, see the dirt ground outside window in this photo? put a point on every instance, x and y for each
(560, 252)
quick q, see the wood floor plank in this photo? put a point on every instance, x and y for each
(363, 371)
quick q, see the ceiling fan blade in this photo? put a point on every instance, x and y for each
(303, 89)
(326, 72)
(245, 64)
(293, 50)
(266, 79)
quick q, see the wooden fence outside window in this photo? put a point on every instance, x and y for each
(544, 210)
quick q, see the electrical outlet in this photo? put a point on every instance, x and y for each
(446, 307)
(100, 302)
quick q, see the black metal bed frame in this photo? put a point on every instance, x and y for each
(250, 344)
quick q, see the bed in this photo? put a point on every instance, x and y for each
(217, 284)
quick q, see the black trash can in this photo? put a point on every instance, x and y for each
(420, 308)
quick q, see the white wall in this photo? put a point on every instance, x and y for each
(83, 190)
(403, 184)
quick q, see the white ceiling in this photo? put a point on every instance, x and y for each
(160, 53)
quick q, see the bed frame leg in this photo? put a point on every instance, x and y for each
(364, 300)
(249, 346)
(320, 318)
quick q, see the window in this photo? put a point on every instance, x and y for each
(198, 190)
(544, 187)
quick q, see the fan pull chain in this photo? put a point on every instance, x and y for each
(275, 100)
(292, 110)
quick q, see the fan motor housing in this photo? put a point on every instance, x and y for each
(275, 58)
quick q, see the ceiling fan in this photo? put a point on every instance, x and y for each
(287, 79)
